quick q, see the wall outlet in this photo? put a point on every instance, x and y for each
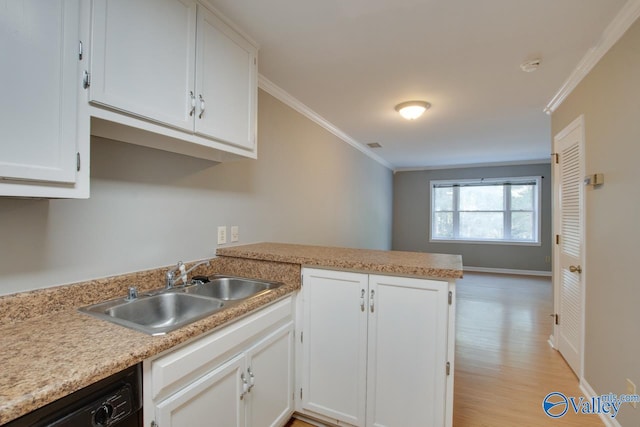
(631, 389)
(235, 233)
(222, 234)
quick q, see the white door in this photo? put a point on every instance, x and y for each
(143, 58)
(270, 370)
(214, 399)
(569, 253)
(40, 84)
(334, 348)
(226, 88)
(406, 381)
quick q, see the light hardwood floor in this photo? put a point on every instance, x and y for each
(504, 366)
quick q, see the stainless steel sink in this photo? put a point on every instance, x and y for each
(162, 311)
(231, 288)
(156, 314)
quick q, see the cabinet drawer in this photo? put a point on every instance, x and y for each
(180, 367)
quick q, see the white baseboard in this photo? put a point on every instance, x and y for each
(551, 340)
(506, 271)
(589, 392)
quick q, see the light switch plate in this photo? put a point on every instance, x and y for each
(222, 234)
(235, 233)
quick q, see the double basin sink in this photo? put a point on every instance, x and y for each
(159, 312)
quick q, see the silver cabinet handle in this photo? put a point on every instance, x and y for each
(362, 300)
(575, 269)
(245, 386)
(201, 106)
(371, 300)
(192, 98)
(252, 380)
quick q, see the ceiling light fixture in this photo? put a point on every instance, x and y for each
(411, 110)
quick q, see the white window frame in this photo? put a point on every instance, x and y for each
(507, 218)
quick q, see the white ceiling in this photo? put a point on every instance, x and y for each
(352, 61)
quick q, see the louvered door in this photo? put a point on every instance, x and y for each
(569, 226)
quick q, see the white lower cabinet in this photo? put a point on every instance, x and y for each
(376, 350)
(239, 376)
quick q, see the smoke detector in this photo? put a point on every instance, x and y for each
(531, 65)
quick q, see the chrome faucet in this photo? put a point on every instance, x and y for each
(171, 279)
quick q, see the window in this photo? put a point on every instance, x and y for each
(503, 210)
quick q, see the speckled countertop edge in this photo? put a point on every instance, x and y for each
(419, 264)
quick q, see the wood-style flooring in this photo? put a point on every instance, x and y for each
(504, 365)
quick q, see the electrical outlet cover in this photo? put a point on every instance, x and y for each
(222, 234)
(235, 233)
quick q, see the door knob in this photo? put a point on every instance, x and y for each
(575, 269)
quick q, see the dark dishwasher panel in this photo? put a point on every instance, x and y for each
(115, 401)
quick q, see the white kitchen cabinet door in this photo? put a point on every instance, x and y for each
(226, 83)
(40, 79)
(143, 58)
(407, 356)
(270, 370)
(334, 365)
(214, 399)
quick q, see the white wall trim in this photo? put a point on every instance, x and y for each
(477, 165)
(284, 96)
(616, 28)
(589, 393)
(472, 269)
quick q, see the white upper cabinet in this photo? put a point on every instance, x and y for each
(225, 82)
(143, 58)
(42, 141)
(175, 69)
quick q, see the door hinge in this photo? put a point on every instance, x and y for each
(78, 162)
(301, 337)
(80, 50)
(300, 393)
(448, 368)
(556, 158)
(557, 239)
(450, 297)
(557, 319)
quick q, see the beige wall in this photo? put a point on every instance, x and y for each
(609, 98)
(150, 208)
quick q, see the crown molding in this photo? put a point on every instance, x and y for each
(618, 26)
(284, 96)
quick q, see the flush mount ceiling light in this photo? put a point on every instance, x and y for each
(411, 110)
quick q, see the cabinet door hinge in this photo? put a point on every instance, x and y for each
(80, 50)
(448, 368)
(300, 393)
(301, 337)
(557, 320)
(450, 297)
(78, 162)
(555, 158)
(557, 239)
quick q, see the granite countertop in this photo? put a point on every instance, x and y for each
(60, 350)
(48, 349)
(400, 263)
